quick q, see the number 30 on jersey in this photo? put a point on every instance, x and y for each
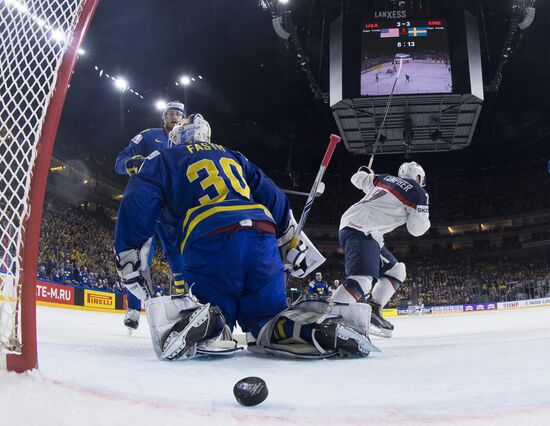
(226, 166)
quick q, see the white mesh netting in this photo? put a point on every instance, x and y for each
(34, 35)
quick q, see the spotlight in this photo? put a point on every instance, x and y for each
(185, 80)
(160, 104)
(81, 52)
(121, 84)
(283, 1)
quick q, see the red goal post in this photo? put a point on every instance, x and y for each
(40, 42)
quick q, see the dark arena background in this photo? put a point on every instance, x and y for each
(460, 87)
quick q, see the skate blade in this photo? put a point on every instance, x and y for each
(364, 345)
(380, 332)
(177, 342)
(129, 331)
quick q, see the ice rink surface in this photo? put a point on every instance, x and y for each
(472, 369)
(423, 78)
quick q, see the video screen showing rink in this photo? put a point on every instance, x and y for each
(415, 52)
(474, 368)
(422, 76)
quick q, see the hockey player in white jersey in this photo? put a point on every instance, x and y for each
(389, 202)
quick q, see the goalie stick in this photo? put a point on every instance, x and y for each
(381, 128)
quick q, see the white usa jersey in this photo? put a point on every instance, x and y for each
(389, 202)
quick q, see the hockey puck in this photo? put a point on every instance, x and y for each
(250, 391)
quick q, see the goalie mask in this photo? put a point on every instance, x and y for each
(413, 171)
(192, 129)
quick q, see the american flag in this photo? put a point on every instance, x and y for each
(389, 32)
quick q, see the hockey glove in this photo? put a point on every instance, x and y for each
(132, 267)
(133, 164)
(293, 251)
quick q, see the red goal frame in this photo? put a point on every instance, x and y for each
(28, 359)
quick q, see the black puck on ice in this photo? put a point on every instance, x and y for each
(250, 391)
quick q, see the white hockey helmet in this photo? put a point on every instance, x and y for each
(176, 105)
(191, 129)
(414, 171)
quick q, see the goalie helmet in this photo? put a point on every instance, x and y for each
(175, 105)
(192, 129)
(412, 170)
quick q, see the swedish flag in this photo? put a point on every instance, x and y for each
(418, 32)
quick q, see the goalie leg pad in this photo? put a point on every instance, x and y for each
(356, 315)
(329, 334)
(224, 344)
(163, 313)
(195, 326)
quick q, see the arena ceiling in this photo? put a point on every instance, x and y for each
(257, 94)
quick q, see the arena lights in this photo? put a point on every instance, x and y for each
(58, 35)
(160, 104)
(120, 83)
(283, 1)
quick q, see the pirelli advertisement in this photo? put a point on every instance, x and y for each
(49, 293)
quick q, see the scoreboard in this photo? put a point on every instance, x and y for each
(415, 52)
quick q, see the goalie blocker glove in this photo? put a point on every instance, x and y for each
(132, 268)
(296, 255)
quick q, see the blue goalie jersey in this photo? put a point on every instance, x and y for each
(198, 188)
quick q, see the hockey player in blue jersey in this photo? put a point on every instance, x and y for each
(132, 157)
(233, 225)
(318, 288)
(128, 163)
(389, 202)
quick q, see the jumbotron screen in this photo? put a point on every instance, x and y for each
(415, 51)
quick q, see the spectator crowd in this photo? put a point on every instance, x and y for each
(76, 247)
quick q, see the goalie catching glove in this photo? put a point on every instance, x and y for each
(133, 268)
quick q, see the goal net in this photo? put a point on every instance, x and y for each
(38, 48)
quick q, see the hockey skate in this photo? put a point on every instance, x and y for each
(131, 320)
(344, 339)
(379, 326)
(195, 326)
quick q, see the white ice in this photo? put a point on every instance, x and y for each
(473, 369)
(426, 77)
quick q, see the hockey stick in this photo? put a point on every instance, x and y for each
(334, 140)
(319, 192)
(381, 128)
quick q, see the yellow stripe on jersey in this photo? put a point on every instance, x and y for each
(213, 211)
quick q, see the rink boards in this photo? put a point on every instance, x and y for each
(74, 297)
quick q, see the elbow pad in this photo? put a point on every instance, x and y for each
(417, 225)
